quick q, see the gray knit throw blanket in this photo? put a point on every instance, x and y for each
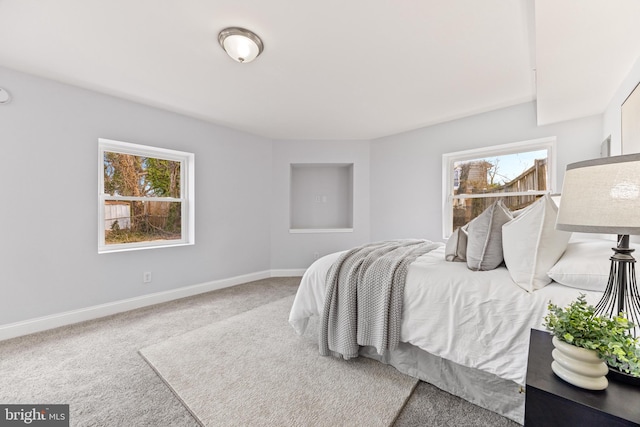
(363, 305)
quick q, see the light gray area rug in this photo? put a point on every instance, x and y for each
(252, 369)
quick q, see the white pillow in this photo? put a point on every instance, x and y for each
(584, 265)
(484, 237)
(456, 247)
(532, 245)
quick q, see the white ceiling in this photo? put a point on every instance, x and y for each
(332, 69)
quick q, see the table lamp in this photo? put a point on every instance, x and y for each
(603, 196)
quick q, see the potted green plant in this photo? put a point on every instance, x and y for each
(610, 338)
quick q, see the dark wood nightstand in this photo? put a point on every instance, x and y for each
(550, 401)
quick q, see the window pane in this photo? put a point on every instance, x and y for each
(138, 176)
(517, 173)
(464, 210)
(137, 221)
(501, 174)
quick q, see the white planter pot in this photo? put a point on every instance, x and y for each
(579, 366)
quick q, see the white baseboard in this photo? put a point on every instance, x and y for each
(12, 330)
(288, 273)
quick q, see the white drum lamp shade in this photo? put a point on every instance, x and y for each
(602, 196)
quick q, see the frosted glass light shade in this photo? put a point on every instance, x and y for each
(602, 196)
(240, 44)
(4, 96)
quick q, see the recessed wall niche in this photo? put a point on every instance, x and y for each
(321, 197)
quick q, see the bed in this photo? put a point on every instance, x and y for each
(467, 331)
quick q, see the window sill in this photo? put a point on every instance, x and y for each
(319, 230)
(127, 248)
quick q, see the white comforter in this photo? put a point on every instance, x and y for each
(479, 319)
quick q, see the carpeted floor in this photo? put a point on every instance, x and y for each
(95, 366)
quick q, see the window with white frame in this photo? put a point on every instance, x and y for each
(518, 173)
(145, 197)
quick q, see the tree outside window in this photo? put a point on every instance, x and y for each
(517, 173)
(143, 199)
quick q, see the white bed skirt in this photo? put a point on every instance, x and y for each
(478, 387)
(487, 390)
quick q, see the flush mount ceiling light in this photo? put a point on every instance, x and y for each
(4, 96)
(240, 44)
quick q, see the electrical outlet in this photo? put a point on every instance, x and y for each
(146, 277)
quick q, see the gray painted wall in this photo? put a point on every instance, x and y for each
(297, 250)
(406, 169)
(49, 261)
(321, 196)
(49, 135)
